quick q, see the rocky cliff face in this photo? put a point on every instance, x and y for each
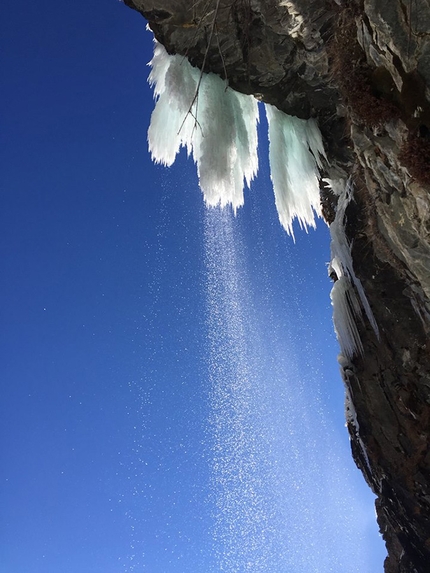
(362, 68)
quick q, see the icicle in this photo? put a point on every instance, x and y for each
(294, 154)
(218, 126)
(175, 83)
(344, 303)
(347, 295)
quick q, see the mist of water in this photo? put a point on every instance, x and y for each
(281, 495)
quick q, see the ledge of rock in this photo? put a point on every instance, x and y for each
(362, 68)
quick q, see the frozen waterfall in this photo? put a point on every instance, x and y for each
(348, 297)
(218, 127)
(280, 500)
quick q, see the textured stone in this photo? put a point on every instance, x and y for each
(261, 47)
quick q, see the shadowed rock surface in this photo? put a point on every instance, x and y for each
(362, 68)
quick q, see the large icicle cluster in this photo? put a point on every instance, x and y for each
(218, 126)
(347, 295)
(294, 155)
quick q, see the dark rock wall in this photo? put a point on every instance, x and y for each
(363, 69)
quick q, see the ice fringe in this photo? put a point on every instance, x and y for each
(219, 128)
(347, 295)
(294, 155)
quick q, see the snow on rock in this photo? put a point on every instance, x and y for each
(345, 311)
(217, 125)
(354, 428)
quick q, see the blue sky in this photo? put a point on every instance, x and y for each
(113, 366)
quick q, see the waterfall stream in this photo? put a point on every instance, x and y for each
(279, 491)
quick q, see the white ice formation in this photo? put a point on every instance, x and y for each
(218, 126)
(348, 297)
(294, 155)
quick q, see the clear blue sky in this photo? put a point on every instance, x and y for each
(113, 367)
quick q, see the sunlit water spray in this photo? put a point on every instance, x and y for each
(280, 493)
(280, 496)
